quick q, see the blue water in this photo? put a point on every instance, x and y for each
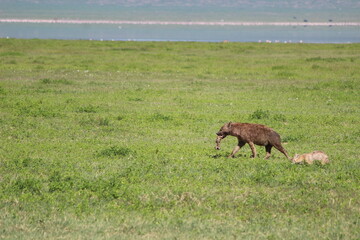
(62, 9)
(181, 33)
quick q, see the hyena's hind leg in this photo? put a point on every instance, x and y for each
(268, 151)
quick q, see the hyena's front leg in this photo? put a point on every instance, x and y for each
(253, 149)
(236, 149)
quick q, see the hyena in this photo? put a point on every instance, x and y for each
(251, 134)
(309, 158)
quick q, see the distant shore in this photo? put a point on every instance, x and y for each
(202, 23)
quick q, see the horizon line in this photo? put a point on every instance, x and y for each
(184, 23)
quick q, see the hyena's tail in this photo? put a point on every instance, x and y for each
(282, 150)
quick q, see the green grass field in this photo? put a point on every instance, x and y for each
(115, 140)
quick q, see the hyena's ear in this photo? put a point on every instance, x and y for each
(229, 124)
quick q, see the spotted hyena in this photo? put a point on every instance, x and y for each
(252, 134)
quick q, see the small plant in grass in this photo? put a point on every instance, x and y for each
(260, 114)
(2, 90)
(45, 81)
(265, 114)
(160, 117)
(115, 151)
(293, 138)
(103, 121)
(279, 117)
(55, 81)
(28, 185)
(120, 117)
(87, 109)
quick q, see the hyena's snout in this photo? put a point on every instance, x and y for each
(220, 133)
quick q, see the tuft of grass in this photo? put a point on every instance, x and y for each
(11, 54)
(279, 117)
(27, 185)
(103, 121)
(45, 81)
(260, 114)
(329, 59)
(135, 99)
(265, 115)
(87, 109)
(120, 117)
(115, 151)
(36, 109)
(55, 81)
(2, 91)
(160, 117)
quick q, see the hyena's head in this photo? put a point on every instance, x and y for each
(224, 130)
(222, 133)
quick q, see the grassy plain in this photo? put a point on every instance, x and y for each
(115, 140)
